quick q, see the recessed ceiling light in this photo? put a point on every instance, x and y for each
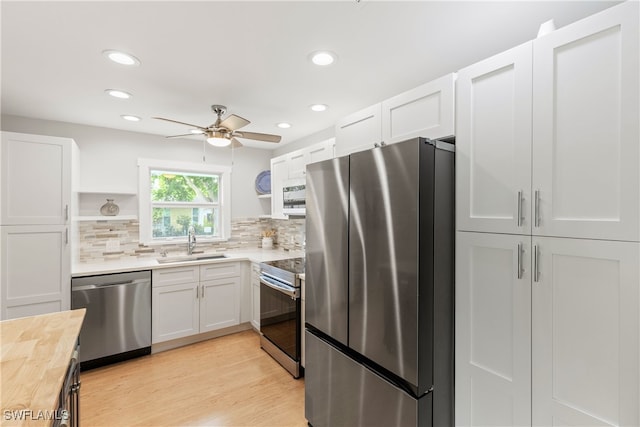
(118, 93)
(319, 107)
(121, 57)
(323, 57)
(284, 125)
(130, 118)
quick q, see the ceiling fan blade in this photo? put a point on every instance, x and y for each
(234, 122)
(180, 123)
(184, 134)
(266, 137)
(235, 143)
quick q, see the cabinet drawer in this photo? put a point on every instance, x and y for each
(219, 270)
(172, 276)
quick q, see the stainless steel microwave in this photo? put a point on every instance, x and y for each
(293, 197)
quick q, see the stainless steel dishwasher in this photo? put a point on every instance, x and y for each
(117, 325)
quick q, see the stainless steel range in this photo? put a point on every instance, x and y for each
(280, 314)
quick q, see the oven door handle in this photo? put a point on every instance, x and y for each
(287, 290)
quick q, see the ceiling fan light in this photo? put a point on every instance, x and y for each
(217, 139)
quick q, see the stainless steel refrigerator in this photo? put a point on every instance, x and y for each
(380, 287)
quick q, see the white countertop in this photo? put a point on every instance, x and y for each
(148, 263)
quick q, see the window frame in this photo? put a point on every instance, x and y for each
(145, 166)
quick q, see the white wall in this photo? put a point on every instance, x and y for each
(108, 158)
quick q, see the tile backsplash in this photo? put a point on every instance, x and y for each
(116, 239)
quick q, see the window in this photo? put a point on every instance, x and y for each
(175, 196)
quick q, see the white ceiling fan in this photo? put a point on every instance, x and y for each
(223, 133)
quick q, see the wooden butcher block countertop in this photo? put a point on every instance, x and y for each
(34, 356)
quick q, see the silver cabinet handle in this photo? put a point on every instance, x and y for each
(520, 219)
(202, 291)
(520, 253)
(537, 209)
(536, 271)
(197, 292)
(66, 236)
(66, 212)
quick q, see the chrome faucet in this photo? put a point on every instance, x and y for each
(191, 240)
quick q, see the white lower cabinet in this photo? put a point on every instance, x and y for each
(255, 295)
(547, 331)
(585, 329)
(493, 330)
(194, 299)
(35, 270)
(175, 311)
(219, 303)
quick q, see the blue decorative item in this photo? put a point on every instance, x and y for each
(263, 182)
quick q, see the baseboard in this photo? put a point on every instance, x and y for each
(180, 342)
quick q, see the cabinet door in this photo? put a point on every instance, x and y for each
(297, 163)
(36, 179)
(359, 131)
(493, 330)
(321, 151)
(35, 270)
(585, 127)
(219, 304)
(255, 295)
(493, 144)
(585, 333)
(279, 174)
(425, 111)
(174, 311)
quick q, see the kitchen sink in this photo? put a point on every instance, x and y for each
(187, 258)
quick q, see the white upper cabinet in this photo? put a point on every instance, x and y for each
(293, 165)
(493, 144)
(585, 128)
(426, 111)
(36, 179)
(279, 174)
(493, 330)
(321, 151)
(359, 131)
(297, 163)
(585, 332)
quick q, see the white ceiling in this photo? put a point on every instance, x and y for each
(250, 56)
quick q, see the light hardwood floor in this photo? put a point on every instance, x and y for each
(226, 381)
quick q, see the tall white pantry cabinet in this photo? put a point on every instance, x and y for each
(35, 211)
(548, 229)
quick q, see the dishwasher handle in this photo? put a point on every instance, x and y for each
(109, 284)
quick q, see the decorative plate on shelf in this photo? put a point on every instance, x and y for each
(263, 182)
